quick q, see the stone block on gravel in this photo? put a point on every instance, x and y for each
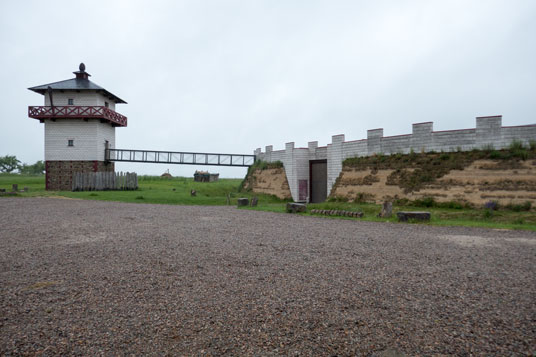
(418, 216)
(243, 202)
(293, 207)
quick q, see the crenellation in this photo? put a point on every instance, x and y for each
(488, 132)
(421, 137)
(374, 141)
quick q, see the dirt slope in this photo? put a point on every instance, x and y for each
(479, 182)
(269, 181)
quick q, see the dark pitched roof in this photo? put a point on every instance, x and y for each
(76, 84)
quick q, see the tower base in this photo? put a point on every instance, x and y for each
(59, 174)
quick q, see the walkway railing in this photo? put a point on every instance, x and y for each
(182, 158)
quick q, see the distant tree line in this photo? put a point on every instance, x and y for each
(9, 164)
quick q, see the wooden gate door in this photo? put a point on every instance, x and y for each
(318, 173)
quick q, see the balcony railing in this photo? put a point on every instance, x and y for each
(77, 112)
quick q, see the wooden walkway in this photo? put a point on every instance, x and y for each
(181, 158)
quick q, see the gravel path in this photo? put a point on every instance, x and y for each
(90, 278)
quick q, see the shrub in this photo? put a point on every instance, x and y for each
(402, 202)
(362, 197)
(495, 155)
(451, 205)
(516, 145)
(444, 156)
(519, 221)
(518, 150)
(525, 206)
(338, 199)
(491, 205)
(425, 202)
(264, 165)
(521, 154)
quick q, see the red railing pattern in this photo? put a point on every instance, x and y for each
(72, 111)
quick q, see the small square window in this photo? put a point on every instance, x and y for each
(70, 101)
(106, 105)
(70, 142)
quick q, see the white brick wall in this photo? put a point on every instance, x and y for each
(105, 132)
(89, 138)
(296, 163)
(335, 155)
(80, 98)
(488, 131)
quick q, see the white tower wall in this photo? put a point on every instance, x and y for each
(80, 99)
(89, 138)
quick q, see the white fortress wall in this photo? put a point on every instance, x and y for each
(489, 132)
(335, 153)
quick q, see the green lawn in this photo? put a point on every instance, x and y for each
(152, 189)
(177, 191)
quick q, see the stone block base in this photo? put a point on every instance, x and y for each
(59, 174)
(296, 207)
(418, 216)
(243, 202)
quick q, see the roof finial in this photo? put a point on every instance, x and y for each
(82, 74)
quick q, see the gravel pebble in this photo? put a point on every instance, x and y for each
(105, 278)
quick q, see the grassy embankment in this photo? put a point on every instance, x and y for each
(177, 191)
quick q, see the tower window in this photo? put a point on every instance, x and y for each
(70, 101)
(106, 105)
(70, 142)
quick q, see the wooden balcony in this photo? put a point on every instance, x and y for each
(77, 112)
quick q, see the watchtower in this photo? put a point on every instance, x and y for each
(80, 121)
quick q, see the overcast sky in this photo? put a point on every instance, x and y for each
(231, 76)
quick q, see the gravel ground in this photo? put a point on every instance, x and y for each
(91, 278)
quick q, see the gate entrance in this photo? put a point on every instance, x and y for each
(318, 173)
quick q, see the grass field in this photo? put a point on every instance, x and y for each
(152, 189)
(177, 191)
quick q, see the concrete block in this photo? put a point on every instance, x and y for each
(243, 202)
(293, 207)
(418, 216)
